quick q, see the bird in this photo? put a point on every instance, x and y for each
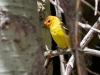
(58, 32)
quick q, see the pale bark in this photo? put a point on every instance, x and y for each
(21, 50)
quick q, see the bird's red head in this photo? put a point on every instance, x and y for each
(48, 21)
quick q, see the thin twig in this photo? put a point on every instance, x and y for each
(55, 4)
(89, 5)
(69, 65)
(87, 26)
(92, 72)
(78, 55)
(96, 7)
(48, 57)
(46, 62)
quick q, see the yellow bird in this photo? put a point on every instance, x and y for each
(57, 31)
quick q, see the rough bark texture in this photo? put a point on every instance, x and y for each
(21, 50)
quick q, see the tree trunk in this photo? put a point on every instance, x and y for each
(21, 50)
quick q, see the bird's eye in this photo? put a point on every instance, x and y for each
(48, 20)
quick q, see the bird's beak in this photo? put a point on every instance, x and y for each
(45, 23)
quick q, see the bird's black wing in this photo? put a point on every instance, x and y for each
(64, 27)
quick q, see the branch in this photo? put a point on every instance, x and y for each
(87, 26)
(57, 52)
(86, 51)
(80, 62)
(89, 35)
(89, 5)
(92, 72)
(70, 65)
(55, 4)
(62, 64)
(89, 51)
(48, 57)
(96, 7)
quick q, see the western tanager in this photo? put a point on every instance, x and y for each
(57, 31)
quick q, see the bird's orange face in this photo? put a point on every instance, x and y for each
(48, 21)
(51, 20)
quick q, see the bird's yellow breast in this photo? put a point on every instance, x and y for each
(59, 36)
